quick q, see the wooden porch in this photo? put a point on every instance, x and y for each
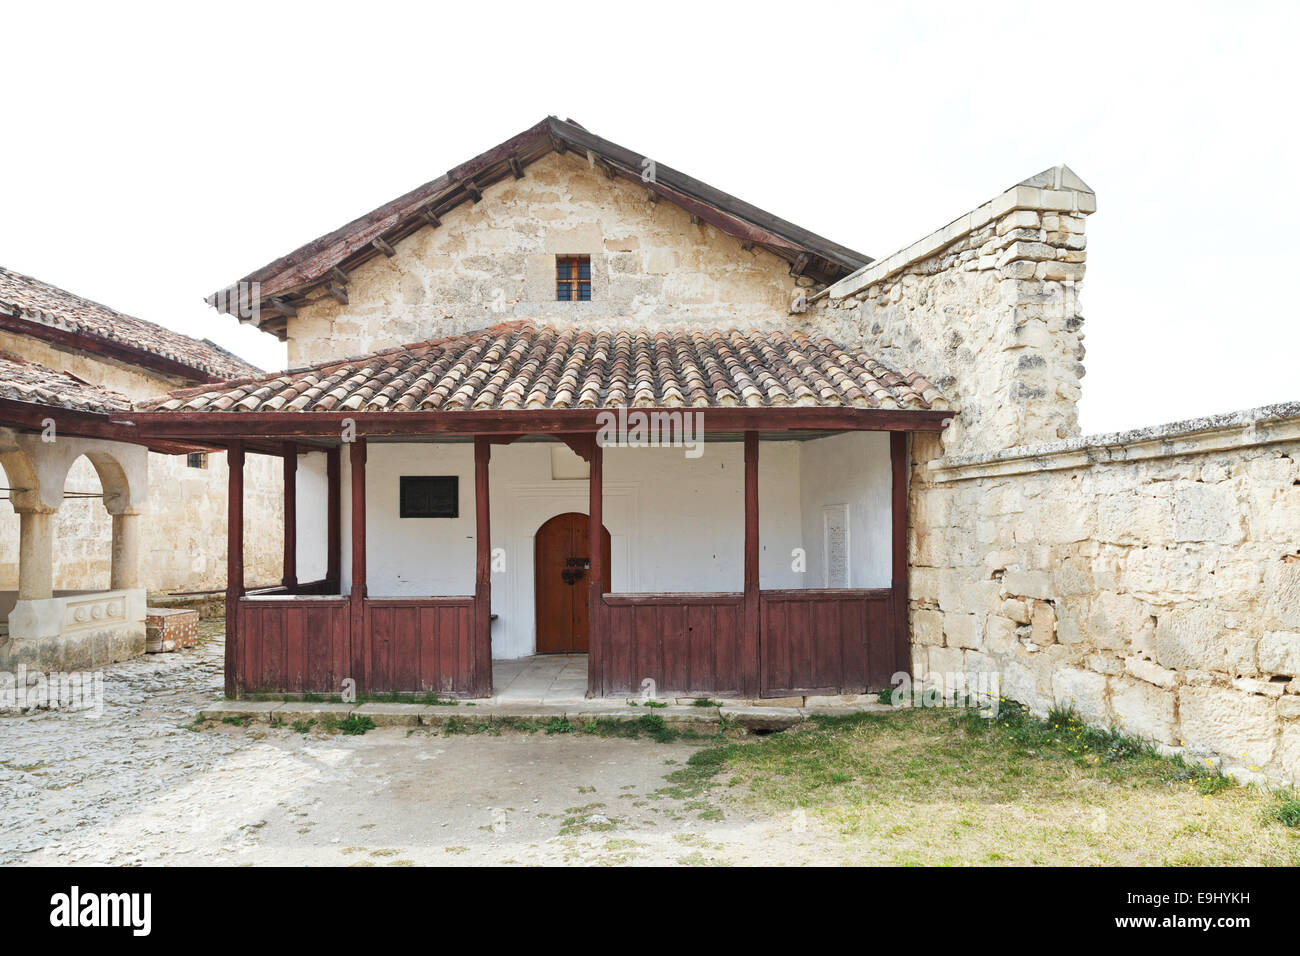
(310, 638)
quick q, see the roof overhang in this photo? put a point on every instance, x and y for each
(267, 431)
(269, 296)
(75, 423)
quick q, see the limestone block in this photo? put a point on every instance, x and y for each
(1105, 664)
(1042, 623)
(1020, 219)
(1034, 584)
(961, 630)
(1190, 637)
(1134, 519)
(1287, 761)
(945, 661)
(1239, 727)
(1288, 708)
(1279, 653)
(1145, 710)
(1033, 251)
(999, 634)
(1151, 672)
(1251, 685)
(1016, 610)
(1083, 690)
(927, 627)
(1282, 587)
(1207, 513)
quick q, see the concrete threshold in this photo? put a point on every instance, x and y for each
(682, 714)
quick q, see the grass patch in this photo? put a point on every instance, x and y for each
(237, 721)
(353, 725)
(704, 702)
(1286, 810)
(944, 786)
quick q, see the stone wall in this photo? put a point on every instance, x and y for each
(987, 308)
(494, 261)
(1151, 579)
(184, 533)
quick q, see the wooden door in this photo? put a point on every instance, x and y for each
(562, 565)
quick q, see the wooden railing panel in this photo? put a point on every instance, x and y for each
(293, 646)
(421, 645)
(688, 644)
(825, 642)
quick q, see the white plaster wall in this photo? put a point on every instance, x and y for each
(780, 531)
(676, 524)
(312, 528)
(853, 469)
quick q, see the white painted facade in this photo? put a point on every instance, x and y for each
(676, 524)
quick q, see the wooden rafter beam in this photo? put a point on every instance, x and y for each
(383, 246)
(471, 187)
(516, 167)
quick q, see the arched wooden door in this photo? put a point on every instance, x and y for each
(562, 564)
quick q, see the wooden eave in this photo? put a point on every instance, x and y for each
(266, 431)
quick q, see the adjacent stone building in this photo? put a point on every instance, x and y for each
(52, 343)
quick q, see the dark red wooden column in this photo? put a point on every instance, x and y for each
(357, 599)
(481, 680)
(334, 520)
(750, 642)
(597, 629)
(290, 576)
(898, 585)
(234, 562)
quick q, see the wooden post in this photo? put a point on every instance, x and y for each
(597, 632)
(234, 562)
(334, 520)
(898, 585)
(750, 645)
(290, 576)
(357, 598)
(482, 655)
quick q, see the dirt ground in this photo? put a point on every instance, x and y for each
(141, 784)
(137, 785)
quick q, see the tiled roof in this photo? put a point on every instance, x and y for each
(517, 365)
(23, 381)
(51, 306)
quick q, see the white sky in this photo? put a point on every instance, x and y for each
(155, 154)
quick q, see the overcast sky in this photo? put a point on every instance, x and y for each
(155, 154)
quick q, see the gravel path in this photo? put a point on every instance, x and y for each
(139, 785)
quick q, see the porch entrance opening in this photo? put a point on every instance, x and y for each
(562, 564)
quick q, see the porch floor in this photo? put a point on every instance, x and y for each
(540, 679)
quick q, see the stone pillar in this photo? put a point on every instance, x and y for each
(36, 556)
(126, 552)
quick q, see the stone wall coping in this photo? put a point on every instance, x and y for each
(1267, 424)
(1055, 190)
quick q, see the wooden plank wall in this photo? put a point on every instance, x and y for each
(825, 642)
(420, 645)
(688, 644)
(294, 647)
(408, 645)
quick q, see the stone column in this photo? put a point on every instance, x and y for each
(36, 556)
(126, 552)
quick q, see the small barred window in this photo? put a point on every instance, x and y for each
(573, 278)
(197, 459)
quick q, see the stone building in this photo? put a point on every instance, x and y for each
(53, 343)
(894, 476)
